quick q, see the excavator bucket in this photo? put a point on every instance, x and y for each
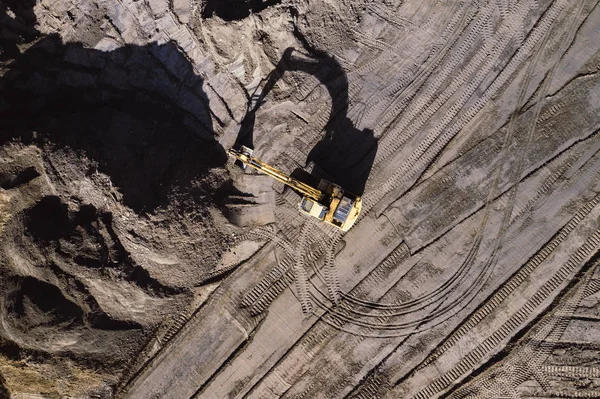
(244, 151)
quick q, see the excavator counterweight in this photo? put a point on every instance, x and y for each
(327, 201)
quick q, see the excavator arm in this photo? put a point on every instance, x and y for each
(244, 155)
(327, 202)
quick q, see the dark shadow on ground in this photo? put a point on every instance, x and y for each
(345, 154)
(139, 112)
(16, 29)
(4, 394)
(231, 10)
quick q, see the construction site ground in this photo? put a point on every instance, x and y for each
(137, 261)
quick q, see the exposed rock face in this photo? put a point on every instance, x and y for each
(136, 261)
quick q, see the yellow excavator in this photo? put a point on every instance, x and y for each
(327, 201)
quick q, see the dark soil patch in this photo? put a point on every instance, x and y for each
(231, 10)
(48, 219)
(36, 302)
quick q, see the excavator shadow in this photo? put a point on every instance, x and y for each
(232, 10)
(138, 113)
(345, 154)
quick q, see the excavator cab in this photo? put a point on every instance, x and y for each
(336, 207)
(312, 208)
(327, 201)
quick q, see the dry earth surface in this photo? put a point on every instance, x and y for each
(136, 261)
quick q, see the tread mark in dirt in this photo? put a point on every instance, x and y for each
(353, 315)
(527, 361)
(429, 149)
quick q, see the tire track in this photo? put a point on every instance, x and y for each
(547, 184)
(472, 74)
(526, 362)
(407, 86)
(380, 61)
(412, 109)
(430, 298)
(286, 271)
(300, 275)
(491, 344)
(507, 217)
(572, 371)
(300, 259)
(435, 142)
(330, 278)
(513, 283)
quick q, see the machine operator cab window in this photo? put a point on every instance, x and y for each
(313, 208)
(342, 211)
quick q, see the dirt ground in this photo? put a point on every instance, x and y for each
(137, 261)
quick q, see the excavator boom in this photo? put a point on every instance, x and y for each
(245, 156)
(327, 201)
